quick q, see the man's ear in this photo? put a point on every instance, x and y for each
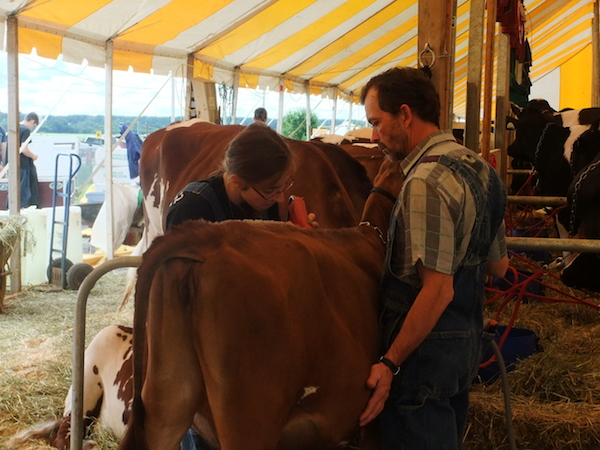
(406, 114)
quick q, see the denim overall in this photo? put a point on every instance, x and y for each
(428, 403)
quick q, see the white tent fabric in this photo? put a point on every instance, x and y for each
(333, 45)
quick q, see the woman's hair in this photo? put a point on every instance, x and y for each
(258, 154)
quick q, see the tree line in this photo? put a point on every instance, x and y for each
(80, 124)
(86, 124)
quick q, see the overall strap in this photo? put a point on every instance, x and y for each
(490, 202)
(203, 188)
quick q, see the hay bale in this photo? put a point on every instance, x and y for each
(10, 229)
(555, 392)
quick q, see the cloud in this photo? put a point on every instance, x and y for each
(58, 88)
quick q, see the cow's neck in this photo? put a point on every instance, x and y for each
(379, 204)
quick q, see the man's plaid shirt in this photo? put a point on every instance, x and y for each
(436, 211)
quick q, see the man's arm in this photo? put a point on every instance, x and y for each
(27, 152)
(433, 299)
(498, 268)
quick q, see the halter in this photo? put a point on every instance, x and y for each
(369, 224)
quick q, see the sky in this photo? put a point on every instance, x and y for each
(54, 87)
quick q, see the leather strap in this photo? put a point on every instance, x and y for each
(384, 193)
(390, 365)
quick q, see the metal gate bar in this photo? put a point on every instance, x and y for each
(79, 341)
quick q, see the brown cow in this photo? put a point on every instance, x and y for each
(189, 151)
(333, 185)
(107, 391)
(275, 329)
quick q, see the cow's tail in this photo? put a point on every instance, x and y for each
(45, 431)
(161, 251)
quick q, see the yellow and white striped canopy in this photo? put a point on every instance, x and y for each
(335, 46)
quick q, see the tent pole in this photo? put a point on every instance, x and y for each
(475, 55)
(489, 79)
(14, 172)
(108, 175)
(189, 89)
(307, 110)
(235, 89)
(350, 104)
(334, 118)
(280, 111)
(172, 97)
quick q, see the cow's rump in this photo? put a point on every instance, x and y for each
(275, 329)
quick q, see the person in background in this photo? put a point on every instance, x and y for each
(134, 150)
(260, 115)
(252, 184)
(3, 138)
(30, 189)
(446, 233)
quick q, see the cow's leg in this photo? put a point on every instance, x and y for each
(172, 385)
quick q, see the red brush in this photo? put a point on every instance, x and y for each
(298, 212)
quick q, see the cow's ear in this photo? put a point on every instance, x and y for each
(516, 109)
(511, 123)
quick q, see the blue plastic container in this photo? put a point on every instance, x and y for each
(519, 344)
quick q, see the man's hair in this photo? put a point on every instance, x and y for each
(260, 114)
(406, 86)
(258, 154)
(32, 116)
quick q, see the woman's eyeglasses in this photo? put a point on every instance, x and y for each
(275, 193)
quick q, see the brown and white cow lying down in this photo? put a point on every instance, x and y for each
(275, 329)
(107, 391)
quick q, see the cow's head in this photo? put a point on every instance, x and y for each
(586, 148)
(582, 272)
(529, 125)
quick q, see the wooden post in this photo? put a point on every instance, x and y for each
(502, 101)
(489, 79)
(436, 28)
(475, 64)
(595, 57)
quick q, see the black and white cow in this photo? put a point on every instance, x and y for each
(564, 148)
(107, 391)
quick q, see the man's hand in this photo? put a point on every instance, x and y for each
(380, 380)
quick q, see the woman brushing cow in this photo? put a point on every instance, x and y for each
(256, 173)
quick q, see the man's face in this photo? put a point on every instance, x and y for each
(31, 124)
(389, 131)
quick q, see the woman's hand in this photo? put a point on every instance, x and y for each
(298, 214)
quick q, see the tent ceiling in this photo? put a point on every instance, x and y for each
(328, 43)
